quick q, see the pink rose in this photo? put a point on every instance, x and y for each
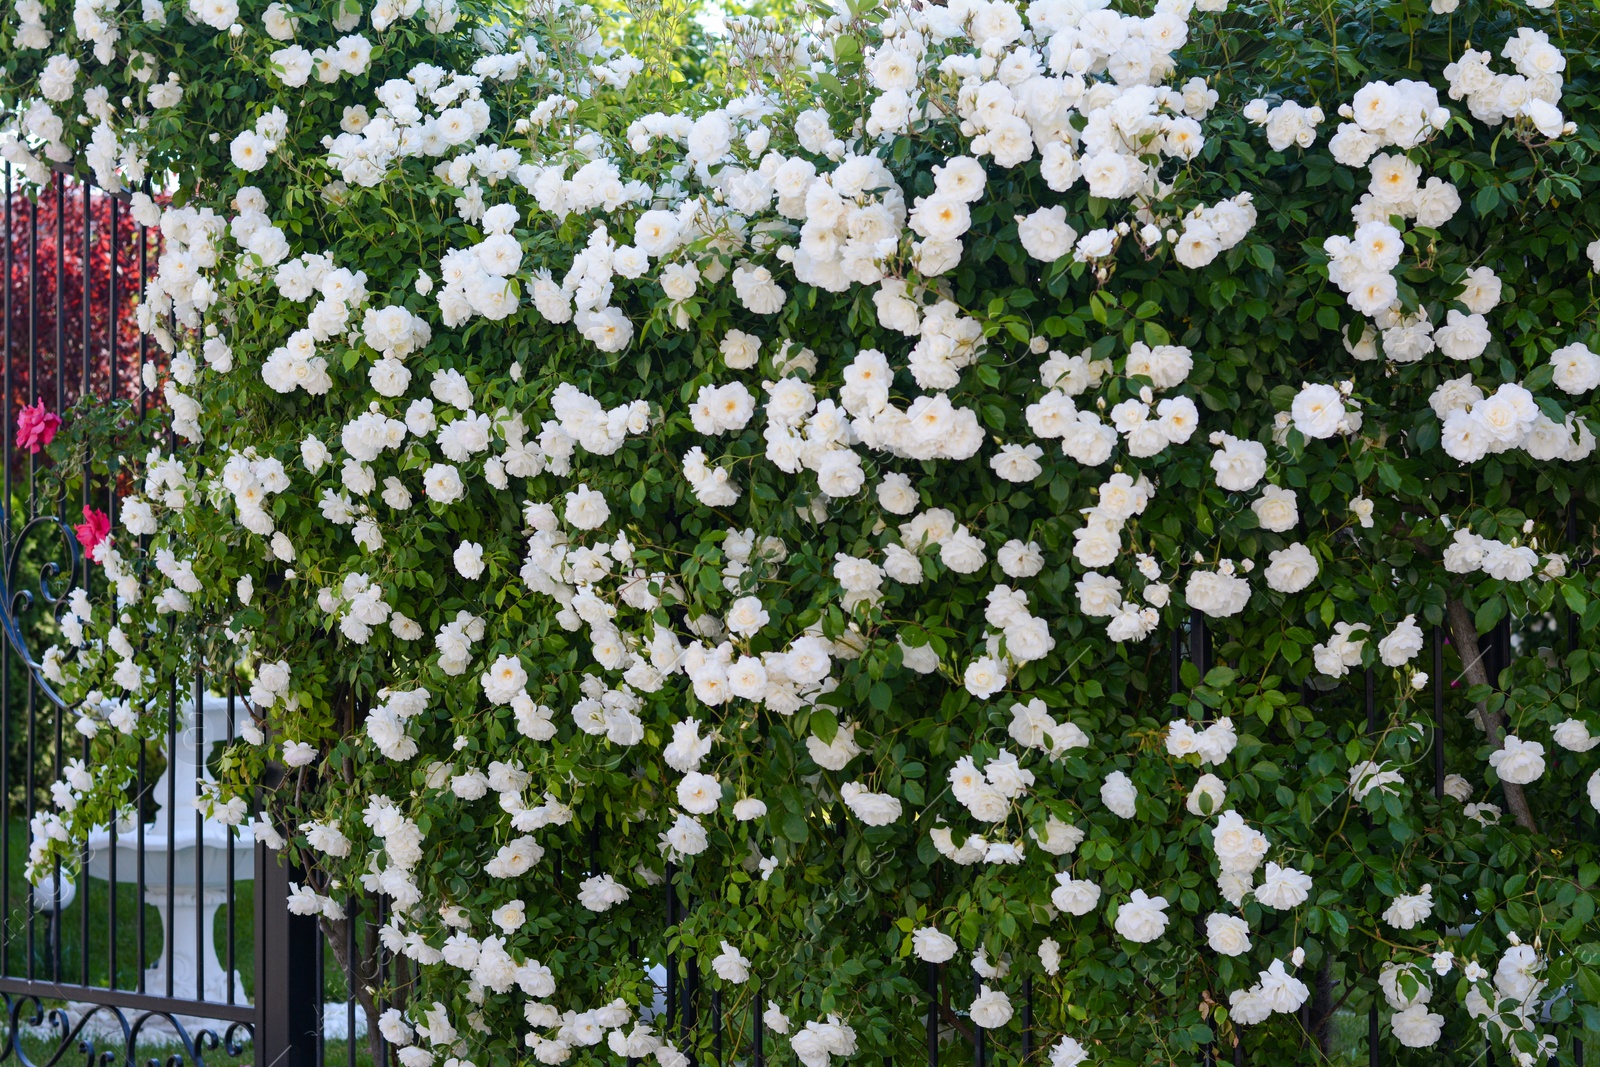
(95, 527)
(36, 427)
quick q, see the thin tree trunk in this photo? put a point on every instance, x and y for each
(1464, 633)
(361, 977)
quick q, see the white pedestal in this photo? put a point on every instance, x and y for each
(186, 965)
(200, 866)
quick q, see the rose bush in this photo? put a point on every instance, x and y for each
(781, 479)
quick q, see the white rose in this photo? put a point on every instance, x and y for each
(587, 509)
(1317, 411)
(1215, 594)
(1291, 569)
(991, 1009)
(468, 559)
(1207, 796)
(1142, 918)
(740, 350)
(1276, 509)
(1577, 370)
(1074, 896)
(731, 965)
(1402, 643)
(1407, 910)
(1518, 762)
(1118, 793)
(1045, 234)
(1283, 888)
(873, 809)
(962, 552)
(931, 945)
(1573, 735)
(1228, 935)
(1099, 595)
(1239, 465)
(1463, 336)
(1416, 1026)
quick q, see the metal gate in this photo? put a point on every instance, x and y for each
(173, 940)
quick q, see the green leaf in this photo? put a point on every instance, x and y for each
(825, 724)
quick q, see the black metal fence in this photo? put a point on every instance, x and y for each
(119, 961)
(123, 964)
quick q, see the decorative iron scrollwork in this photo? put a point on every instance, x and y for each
(15, 601)
(106, 1045)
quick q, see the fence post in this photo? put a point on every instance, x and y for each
(286, 972)
(1370, 700)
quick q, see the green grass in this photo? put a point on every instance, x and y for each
(94, 894)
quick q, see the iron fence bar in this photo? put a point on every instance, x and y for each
(139, 820)
(1570, 529)
(1199, 642)
(320, 1000)
(5, 513)
(1199, 649)
(382, 969)
(120, 998)
(691, 990)
(55, 911)
(757, 1025)
(350, 985)
(33, 391)
(5, 783)
(1572, 544)
(86, 268)
(61, 280)
(113, 207)
(1177, 658)
(170, 925)
(716, 1026)
(672, 965)
(1370, 695)
(27, 802)
(140, 871)
(83, 897)
(232, 868)
(1437, 682)
(33, 333)
(199, 729)
(144, 340)
(61, 503)
(111, 908)
(139, 864)
(5, 647)
(5, 530)
(978, 1049)
(933, 1015)
(144, 962)
(1027, 1017)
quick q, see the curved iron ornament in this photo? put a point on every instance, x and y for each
(15, 601)
(121, 1052)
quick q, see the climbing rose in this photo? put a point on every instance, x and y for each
(36, 427)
